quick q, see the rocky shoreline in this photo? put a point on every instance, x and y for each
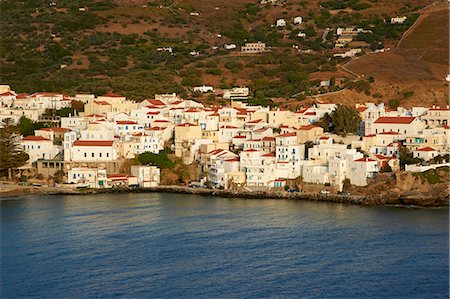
(372, 200)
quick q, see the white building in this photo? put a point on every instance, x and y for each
(236, 93)
(398, 20)
(281, 23)
(425, 153)
(147, 176)
(38, 147)
(87, 177)
(298, 20)
(203, 89)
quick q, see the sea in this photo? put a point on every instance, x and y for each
(188, 246)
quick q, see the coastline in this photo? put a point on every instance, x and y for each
(363, 200)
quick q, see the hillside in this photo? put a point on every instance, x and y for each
(75, 46)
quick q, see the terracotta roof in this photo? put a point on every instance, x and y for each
(268, 139)
(5, 94)
(126, 122)
(140, 134)
(255, 121)
(310, 113)
(162, 121)
(426, 149)
(371, 135)
(94, 115)
(216, 151)
(112, 95)
(156, 102)
(187, 125)
(176, 103)
(228, 127)
(93, 143)
(287, 135)
(365, 160)
(102, 103)
(389, 133)
(361, 109)
(272, 154)
(56, 129)
(308, 127)
(250, 150)
(22, 96)
(324, 138)
(395, 120)
(35, 138)
(233, 160)
(239, 136)
(153, 113)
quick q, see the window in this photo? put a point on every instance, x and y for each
(107, 155)
(39, 146)
(85, 155)
(92, 155)
(100, 155)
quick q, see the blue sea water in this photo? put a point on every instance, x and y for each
(186, 246)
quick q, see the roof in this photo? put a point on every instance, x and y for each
(93, 143)
(162, 121)
(361, 109)
(228, 127)
(56, 129)
(255, 121)
(187, 125)
(233, 160)
(216, 151)
(250, 150)
(439, 109)
(5, 94)
(156, 102)
(272, 154)
(324, 138)
(102, 103)
(239, 136)
(112, 95)
(94, 115)
(426, 149)
(371, 135)
(365, 160)
(287, 135)
(35, 138)
(153, 113)
(126, 122)
(395, 120)
(308, 127)
(268, 138)
(390, 133)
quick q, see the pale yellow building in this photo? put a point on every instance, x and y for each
(185, 135)
(309, 133)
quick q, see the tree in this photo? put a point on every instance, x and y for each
(25, 126)
(345, 120)
(346, 185)
(11, 155)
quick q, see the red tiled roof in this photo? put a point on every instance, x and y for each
(324, 138)
(395, 120)
(361, 109)
(250, 150)
(287, 135)
(153, 113)
(93, 143)
(228, 127)
(371, 135)
(102, 103)
(186, 125)
(310, 113)
(268, 139)
(156, 102)
(22, 96)
(255, 121)
(390, 133)
(35, 138)
(161, 121)
(426, 149)
(233, 160)
(112, 95)
(176, 102)
(239, 136)
(215, 152)
(308, 127)
(140, 134)
(56, 129)
(272, 154)
(126, 122)
(365, 160)
(5, 94)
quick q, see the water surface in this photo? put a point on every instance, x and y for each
(172, 245)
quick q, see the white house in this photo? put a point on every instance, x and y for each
(298, 20)
(87, 177)
(398, 20)
(236, 93)
(281, 23)
(203, 89)
(90, 150)
(425, 153)
(38, 147)
(147, 176)
(405, 125)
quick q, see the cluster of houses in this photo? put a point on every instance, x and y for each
(236, 145)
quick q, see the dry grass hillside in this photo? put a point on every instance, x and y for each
(419, 64)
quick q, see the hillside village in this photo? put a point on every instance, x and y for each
(116, 142)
